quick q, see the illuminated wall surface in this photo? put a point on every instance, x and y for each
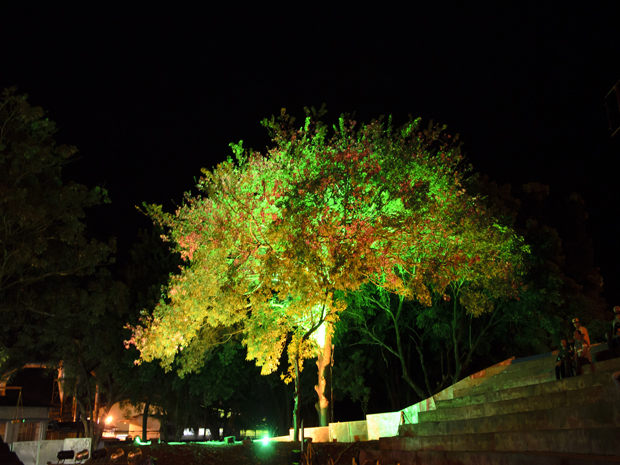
(33, 452)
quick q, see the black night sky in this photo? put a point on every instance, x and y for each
(150, 92)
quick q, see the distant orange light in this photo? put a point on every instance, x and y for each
(108, 420)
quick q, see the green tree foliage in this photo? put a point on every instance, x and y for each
(58, 304)
(353, 368)
(441, 343)
(42, 233)
(562, 281)
(87, 342)
(433, 345)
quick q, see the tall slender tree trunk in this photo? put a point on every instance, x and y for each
(296, 418)
(165, 425)
(323, 388)
(145, 417)
(289, 414)
(401, 355)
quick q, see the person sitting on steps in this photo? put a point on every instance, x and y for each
(582, 329)
(564, 366)
(613, 337)
(582, 353)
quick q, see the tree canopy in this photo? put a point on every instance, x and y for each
(42, 233)
(273, 239)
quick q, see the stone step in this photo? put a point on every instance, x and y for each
(525, 373)
(492, 458)
(610, 366)
(498, 382)
(489, 372)
(533, 368)
(518, 368)
(539, 360)
(495, 384)
(567, 398)
(542, 360)
(596, 441)
(594, 415)
(600, 378)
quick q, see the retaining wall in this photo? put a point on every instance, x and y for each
(41, 452)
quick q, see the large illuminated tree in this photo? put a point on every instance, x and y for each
(274, 238)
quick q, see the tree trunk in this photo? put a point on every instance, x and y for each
(401, 355)
(145, 417)
(332, 418)
(164, 425)
(455, 341)
(296, 405)
(93, 430)
(323, 388)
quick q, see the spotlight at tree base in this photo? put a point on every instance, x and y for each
(117, 456)
(99, 453)
(265, 441)
(134, 456)
(138, 442)
(65, 455)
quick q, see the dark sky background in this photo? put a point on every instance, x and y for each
(152, 92)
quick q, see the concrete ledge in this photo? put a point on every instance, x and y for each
(347, 431)
(317, 434)
(473, 380)
(383, 425)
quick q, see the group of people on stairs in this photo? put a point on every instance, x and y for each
(571, 358)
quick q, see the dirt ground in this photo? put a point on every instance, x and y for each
(214, 453)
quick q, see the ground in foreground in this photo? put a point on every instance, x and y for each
(214, 453)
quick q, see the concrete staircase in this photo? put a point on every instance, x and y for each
(520, 415)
